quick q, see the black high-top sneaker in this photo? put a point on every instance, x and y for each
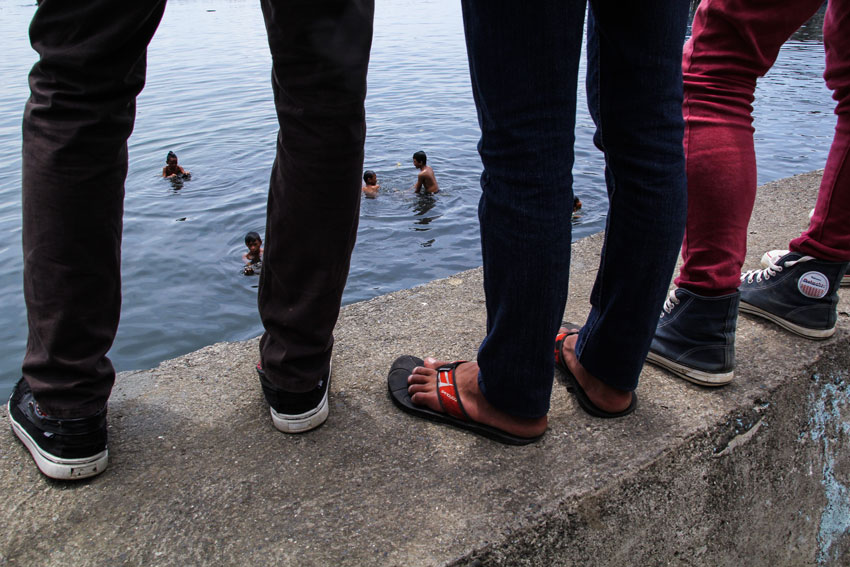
(296, 412)
(798, 293)
(64, 449)
(771, 256)
(695, 337)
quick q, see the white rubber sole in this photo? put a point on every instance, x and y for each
(303, 422)
(691, 374)
(58, 468)
(816, 334)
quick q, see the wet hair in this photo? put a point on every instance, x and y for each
(368, 174)
(420, 157)
(251, 237)
(169, 156)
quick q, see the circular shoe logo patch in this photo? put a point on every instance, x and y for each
(813, 284)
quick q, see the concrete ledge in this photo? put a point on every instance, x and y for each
(756, 473)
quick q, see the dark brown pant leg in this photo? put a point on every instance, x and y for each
(320, 52)
(76, 124)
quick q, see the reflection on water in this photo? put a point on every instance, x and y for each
(209, 82)
(423, 205)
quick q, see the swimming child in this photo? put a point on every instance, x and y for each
(425, 180)
(370, 189)
(576, 210)
(172, 170)
(254, 256)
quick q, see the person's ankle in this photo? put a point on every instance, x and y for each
(606, 397)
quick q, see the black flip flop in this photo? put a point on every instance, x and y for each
(449, 399)
(575, 388)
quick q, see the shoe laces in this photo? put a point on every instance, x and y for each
(771, 270)
(671, 302)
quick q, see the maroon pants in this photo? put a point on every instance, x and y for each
(734, 42)
(76, 125)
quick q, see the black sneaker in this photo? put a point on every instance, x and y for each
(64, 449)
(798, 293)
(771, 256)
(296, 412)
(695, 337)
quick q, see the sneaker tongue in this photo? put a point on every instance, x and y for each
(789, 263)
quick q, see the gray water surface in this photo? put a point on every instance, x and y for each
(208, 98)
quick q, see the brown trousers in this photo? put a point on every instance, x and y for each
(76, 124)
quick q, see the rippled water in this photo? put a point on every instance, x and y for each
(208, 99)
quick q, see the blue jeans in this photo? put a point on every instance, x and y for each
(524, 59)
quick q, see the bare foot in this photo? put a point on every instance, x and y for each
(422, 387)
(602, 395)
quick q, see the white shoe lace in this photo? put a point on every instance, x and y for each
(771, 270)
(670, 302)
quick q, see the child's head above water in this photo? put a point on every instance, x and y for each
(171, 158)
(254, 244)
(420, 157)
(252, 237)
(370, 177)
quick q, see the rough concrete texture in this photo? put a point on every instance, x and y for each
(755, 473)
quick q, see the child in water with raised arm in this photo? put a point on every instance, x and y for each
(253, 258)
(172, 170)
(425, 181)
(370, 189)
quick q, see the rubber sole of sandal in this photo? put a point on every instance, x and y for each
(402, 368)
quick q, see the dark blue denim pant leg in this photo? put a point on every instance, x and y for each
(320, 55)
(81, 111)
(634, 85)
(523, 59)
(524, 63)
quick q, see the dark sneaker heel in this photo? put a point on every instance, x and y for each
(63, 449)
(695, 337)
(296, 412)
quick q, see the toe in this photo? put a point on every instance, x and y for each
(419, 388)
(433, 363)
(421, 376)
